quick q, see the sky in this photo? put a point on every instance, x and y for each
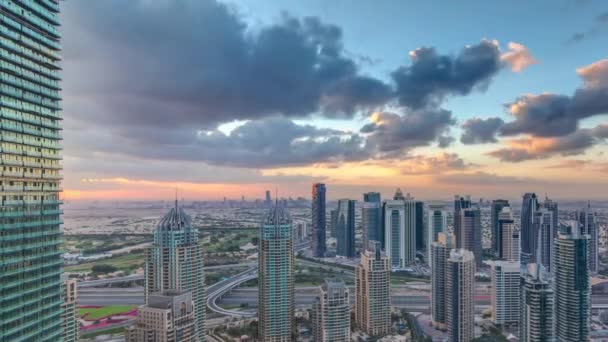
(230, 98)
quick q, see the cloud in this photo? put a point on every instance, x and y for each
(440, 163)
(549, 115)
(432, 77)
(484, 178)
(541, 148)
(600, 23)
(518, 56)
(390, 134)
(479, 131)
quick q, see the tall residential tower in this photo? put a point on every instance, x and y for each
(536, 306)
(371, 217)
(331, 313)
(460, 282)
(318, 220)
(400, 229)
(440, 252)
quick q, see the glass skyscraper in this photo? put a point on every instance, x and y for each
(345, 229)
(318, 220)
(371, 217)
(528, 235)
(276, 277)
(497, 206)
(30, 235)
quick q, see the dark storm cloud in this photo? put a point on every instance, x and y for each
(550, 115)
(432, 77)
(479, 131)
(391, 134)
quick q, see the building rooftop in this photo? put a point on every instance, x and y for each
(277, 215)
(175, 219)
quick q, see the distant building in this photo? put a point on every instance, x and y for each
(509, 236)
(588, 223)
(420, 227)
(371, 217)
(437, 222)
(318, 220)
(372, 286)
(440, 252)
(174, 262)
(276, 277)
(460, 281)
(169, 316)
(400, 230)
(572, 285)
(268, 200)
(333, 223)
(496, 208)
(300, 231)
(346, 228)
(467, 229)
(536, 306)
(552, 206)
(528, 235)
(505, 292)
(331, 313)
(69, 320)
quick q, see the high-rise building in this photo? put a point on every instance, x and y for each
(572, 285)
(331, 313)
(460, 203)
(437, 222)
(420, 227)
(372, 286)
(400, 229)
(371, 217)
(318, 220)
(537, 303)
(460, 282)
(496, 208)
(268, 200)
(169, 316)
(440, 252)
(468, 231)
(69, 320)
(587, 220)
(528, 234)
(552, 206)
(333, 223)
(346, 228)
(175, 262)
(543, 250)
(276, 277)
(505, 292)
(30, 270)
(508, 238)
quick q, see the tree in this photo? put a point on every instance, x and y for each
(103, 268)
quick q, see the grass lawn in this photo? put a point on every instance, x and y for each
(125, 262)
(96, 313)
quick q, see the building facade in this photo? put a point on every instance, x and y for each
(587, 220)
(371, 218)
(318, 244)
(505, 292)
(400, 230)
(468, 232)
(440, 252)
(543, 226)
(537, 303)
(175, 262)
(30, 245)
(572, 285)
(276, 277)
(331, 313)
(437, 222)
(496, 209)
(528, 236)
(372, 286)
(69, 320)
(460, 281)
(169, 316)
(508, 241)
(345, 229)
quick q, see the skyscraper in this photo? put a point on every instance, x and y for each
(468, 231)
(505, 292)
(572, 285)
(528, 234)
(318, 220)
(333, 223)
(497, 206)
(268, 200)
(543, 226)
(440, 252)
(537, 303)
(168, 316)
(276, 277)
(371, 217)
(552, 206)
(508, 238)
(372, 286)
(69, 320)
(174, 262)
(460, 281)
(436, 223)
(331, 313)
(400, 229)
(345, 229)
(587, 220)
(420, 228)
(30, 270)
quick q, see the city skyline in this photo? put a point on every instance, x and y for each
(525, 112)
